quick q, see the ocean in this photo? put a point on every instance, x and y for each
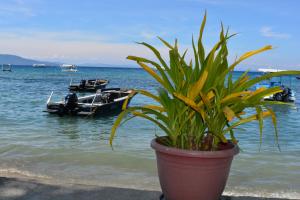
(35, 144)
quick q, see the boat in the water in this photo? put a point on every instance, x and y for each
(287, 94)
(6, 67)
(68, 68)
(90, 85)
(105, 102)
(298, 77)
(39, 65)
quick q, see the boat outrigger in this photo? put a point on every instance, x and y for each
(91, 85)
(287, 94)
(105, 102)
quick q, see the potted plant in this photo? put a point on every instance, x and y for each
(198, 105)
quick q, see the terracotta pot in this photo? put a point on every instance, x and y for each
(193, 175)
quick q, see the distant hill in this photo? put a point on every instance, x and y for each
(108, 65)
(17, 60)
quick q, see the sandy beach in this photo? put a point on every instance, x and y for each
(12, 188)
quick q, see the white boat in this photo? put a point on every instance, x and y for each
(6, 67)
(287, 94)
(39, 65)
(68, 68)
(269, 70)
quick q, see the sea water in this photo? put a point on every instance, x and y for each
(36, 144)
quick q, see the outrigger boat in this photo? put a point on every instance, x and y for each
(68, 68)
(91, 85)
(106, 102)
(39, 65)
(287, 94)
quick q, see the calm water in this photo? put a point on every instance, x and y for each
(36, 144)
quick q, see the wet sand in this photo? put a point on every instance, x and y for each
(31, 189)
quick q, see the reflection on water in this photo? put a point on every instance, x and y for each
(73, 149)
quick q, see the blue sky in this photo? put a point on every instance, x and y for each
(104, 31)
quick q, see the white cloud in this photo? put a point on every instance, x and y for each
(54, 35)
(74, 47)
(16, 7)
(267, 31)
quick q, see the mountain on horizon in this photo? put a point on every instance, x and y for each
(18, 60)
(108, 65)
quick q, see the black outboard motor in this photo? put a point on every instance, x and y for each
(71, 101)
(283, 96)
(82, 84)
(287, 93)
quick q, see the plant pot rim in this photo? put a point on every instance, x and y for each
(191, 153)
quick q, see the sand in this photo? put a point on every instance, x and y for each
(12, 188)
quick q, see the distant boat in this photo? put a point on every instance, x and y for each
(287, 94)
(68, 68)
(39, 65)
(297, 77)
(268, 70)
(91, 85)
(107, 102)
(6, 67)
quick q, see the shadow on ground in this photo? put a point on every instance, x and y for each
(26, 189)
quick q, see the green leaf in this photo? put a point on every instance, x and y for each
(274, 120)
(201, 52)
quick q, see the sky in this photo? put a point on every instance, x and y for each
(106, 31)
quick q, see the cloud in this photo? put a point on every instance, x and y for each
(52, 46)
(54, 35)
(16, 7)
(267, 31)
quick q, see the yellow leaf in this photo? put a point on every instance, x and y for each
(153, 107)
(229, 113)
(247, 55)
(124, 106)
(266, 113)
(196, 88)
(243, 80)
(251, 53)
(210, 95)
(234, 95)
(259, 90)
(205, 99)
(188, 101)
(152, 73)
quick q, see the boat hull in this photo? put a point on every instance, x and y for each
(113, 108)
(89, 106)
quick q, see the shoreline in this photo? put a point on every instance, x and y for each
(13, 187)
